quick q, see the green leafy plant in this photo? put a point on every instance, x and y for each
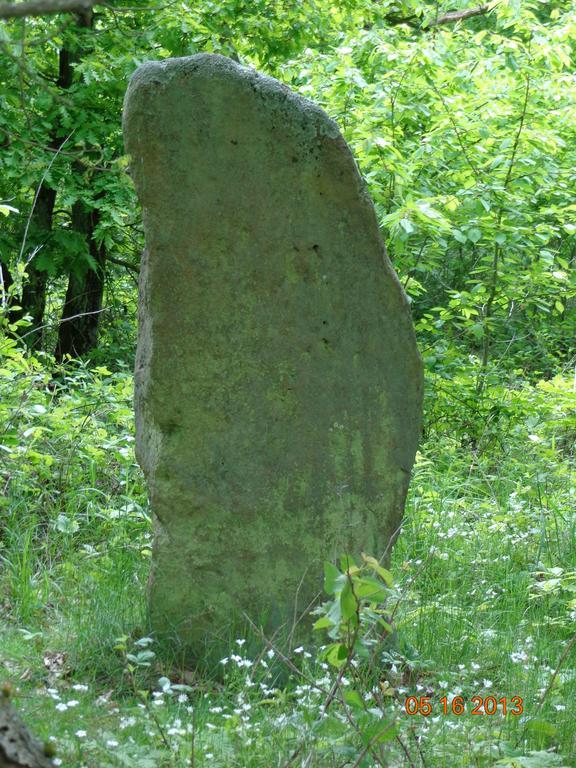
(357, 616)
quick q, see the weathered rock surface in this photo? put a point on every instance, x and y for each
(278, 384)
(18, 748)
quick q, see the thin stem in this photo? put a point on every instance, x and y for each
(50, 164)
(488, 309)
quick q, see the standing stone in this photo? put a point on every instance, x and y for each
(18, 748)
(278, 384)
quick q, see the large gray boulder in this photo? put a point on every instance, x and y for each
(278, 384)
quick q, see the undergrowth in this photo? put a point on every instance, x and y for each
(483, 601)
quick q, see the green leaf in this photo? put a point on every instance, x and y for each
(336, 654)
(335, 614)
(387, 626)
(347, 563)
(541, 728)
(371, 590)
(380, 732)
(324, 622)
(348, 604)
(331, 575)
(353, 699)
(333, 729)
(382, 572)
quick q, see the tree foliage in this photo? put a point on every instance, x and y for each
(463, 130)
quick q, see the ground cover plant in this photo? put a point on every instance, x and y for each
(464, 133)
(482, 600)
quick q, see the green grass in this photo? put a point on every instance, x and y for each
(485, 572)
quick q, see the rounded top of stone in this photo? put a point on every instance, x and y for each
(203, 67)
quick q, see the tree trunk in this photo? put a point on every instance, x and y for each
(33, 299)
(6, 283)
(78, 331)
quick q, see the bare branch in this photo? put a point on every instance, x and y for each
(44, 8)
(125, 264)
(454, 16)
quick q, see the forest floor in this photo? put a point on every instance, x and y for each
(484, 571)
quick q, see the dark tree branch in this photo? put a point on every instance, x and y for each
(455, 16)
(44, 8)
(125, 264)
(452, 17)
(10, 10)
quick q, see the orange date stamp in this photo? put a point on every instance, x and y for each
(458, 705)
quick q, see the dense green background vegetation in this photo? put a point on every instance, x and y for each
(465, 133)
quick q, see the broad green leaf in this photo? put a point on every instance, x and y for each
(353, 699)
(336, 654)
(348, 604)
(382, 572)
(370, 589)
(331, 575)
(323, 623)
